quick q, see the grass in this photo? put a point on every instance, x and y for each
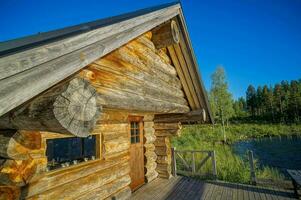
(231, 167)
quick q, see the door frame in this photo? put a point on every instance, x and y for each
(137, 118)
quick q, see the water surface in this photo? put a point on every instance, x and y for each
(279, 152)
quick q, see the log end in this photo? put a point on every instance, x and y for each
(77, 108)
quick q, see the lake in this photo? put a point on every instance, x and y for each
(279, 152)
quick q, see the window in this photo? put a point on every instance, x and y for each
(136, 129)
(135, 132)
(62, 152)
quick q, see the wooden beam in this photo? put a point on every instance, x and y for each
(68, 108)
(198, 116)
(28, 73)
(166, 34)
(180, 72)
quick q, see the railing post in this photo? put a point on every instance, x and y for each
(213, 164)
(252, 167)
(174, 162)
(193, 163)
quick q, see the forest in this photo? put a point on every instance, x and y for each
(279, 103)
(272, 111)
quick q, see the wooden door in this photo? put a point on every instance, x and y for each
(136, 152)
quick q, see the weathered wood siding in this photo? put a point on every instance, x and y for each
(138, 77)
(105, 177)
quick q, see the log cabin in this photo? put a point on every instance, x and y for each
(87, 112)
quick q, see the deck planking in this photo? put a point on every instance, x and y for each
(190, 189)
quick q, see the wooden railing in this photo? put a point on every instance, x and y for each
(193, 165)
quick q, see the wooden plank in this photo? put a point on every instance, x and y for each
(187, 75)
(184, 30)
(34, 80)
(27, 59)
(177, 65)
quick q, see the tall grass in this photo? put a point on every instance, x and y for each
(231, 167)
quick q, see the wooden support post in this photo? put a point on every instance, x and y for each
(252, 167)
(193, 163)
(69, 108)
(214, 171)
(174, 162)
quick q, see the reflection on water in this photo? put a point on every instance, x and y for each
(280, 152)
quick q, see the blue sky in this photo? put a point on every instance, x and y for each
(257, 41)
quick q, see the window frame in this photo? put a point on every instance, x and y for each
(50, 135)
(139, 120)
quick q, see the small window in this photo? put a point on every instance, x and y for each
(135, 132)
(63, 152)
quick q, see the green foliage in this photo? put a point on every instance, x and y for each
(281, 103)
(220, 97)
(231, 167)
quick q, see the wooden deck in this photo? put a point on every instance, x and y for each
(190, 189)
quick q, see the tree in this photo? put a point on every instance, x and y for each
(251, 99)
(294, 101)
(221, 98)
(239, 107)
(259, 101)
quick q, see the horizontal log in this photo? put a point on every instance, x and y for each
(123, 194)
(149, 147)
(190, 117)
(9, 192)
(166, 34)
(17, 172)
(54, 179)
(111, 98)
(109, 129)
(122, 70)
(73, 189)
(151, 58)
(148, 124)
(161, 142)
(70, 108)
(118, 145)
(146, 42)
(121, 83)
(148, 119)
(39, 77)
(163, 54)
(17, 145)
(107, 190)
(167, 126)
(150, 155)
(128, 57)
(163, 168)
(167, 132)
(164, 159)
(115, 155)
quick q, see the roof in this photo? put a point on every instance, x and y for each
(32, 64)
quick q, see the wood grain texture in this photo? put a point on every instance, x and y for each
(34, 80)
(166, 34)
(68, 108)
(18, 145)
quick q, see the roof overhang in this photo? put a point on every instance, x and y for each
(33, 64)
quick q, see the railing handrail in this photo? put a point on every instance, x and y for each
(211, 154)
(200, 151)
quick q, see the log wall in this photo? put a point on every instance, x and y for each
(106, 177)
(163, 132)
(136, 79)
